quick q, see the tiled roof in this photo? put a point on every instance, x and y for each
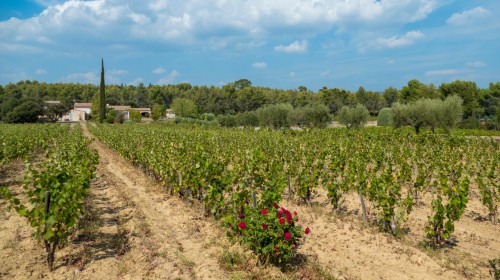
(83, 105)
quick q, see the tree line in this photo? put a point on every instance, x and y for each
(241, 96)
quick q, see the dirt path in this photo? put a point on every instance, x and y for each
(132, 230)
(167, 239)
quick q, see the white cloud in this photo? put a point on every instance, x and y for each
(259, 65)
(295, 47)
(170, 78)
(159, 70)
(136, 81)
(324, 73)
(40, 71)
(476, 64)
(468, 16)
(399, 41)
(292, 74)
(85, 78)
(111, 22)
(443, 72)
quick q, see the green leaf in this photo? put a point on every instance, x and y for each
(49, 234)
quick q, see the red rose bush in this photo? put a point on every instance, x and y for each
(270, 232)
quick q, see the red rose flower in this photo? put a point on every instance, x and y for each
(242, 225)
(263, 211)
(295, 213)
(307, 231)
(275, 205)
(280, 214)
(281, 221)
(288, 217)
(288, 236)
(264, 226)
(294, 247)
(241, 216)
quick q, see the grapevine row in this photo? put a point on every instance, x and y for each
(391, 168)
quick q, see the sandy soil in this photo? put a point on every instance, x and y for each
(351, 249)
(134, 230)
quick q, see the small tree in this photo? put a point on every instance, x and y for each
(157, 112)
(184, 107)
(498, 117)
(354, 117)
(102, 95)
(429, 112)
(384, 117)
(275, 116)
(452, 112)
(26, 112)
(55, 111)
(135, 116)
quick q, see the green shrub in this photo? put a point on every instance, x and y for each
(354, 117)
(207, 117)
(247, 119)
(271, 233)
(384, 117)
(135, 116)
(316, 115)
(227, 120)
(275, 116)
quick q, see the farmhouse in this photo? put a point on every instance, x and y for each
(82, 111)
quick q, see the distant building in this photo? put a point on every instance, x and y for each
(170, 114)
(82, 111)
(86, 107)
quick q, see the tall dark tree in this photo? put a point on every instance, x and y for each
(102, 95)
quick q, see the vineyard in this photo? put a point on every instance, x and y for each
(405, 188)
(56, 187)
(223, 168)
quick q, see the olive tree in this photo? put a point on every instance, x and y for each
(432, 113)
(184, 107)
(354, 117)
(384, 117)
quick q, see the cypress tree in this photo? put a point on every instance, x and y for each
(102, 95)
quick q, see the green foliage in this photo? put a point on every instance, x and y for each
(102, 95)
(275, 116)
(391, 95)
(227, 120)
(157, 112)
(495, 268)
(249, 119)
(416, 90)
(55, 111)
(354, 117)
(208, 117)
(451, 113)
(20, 141)
(64, 177)
(384, 117)
(429, 112)
(468, 92)
(453, 183)
(316, 115)
(271, 233)
(228, 169)
(184, 107)
(26, 112)
(135, 116)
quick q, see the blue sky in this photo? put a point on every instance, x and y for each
(278, 44)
